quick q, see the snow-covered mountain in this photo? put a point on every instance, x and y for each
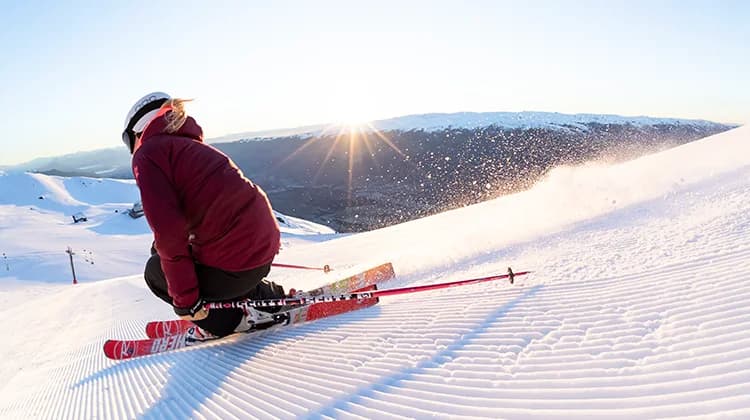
(361, 178)
(113, 162)
(470, 120)
(637, 308)
(527, 119)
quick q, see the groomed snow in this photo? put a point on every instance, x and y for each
(637, 308)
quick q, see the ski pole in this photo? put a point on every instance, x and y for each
(295, 301)
(326, 268)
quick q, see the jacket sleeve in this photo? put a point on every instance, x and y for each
(161, 205)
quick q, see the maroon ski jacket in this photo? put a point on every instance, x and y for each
(200, 207)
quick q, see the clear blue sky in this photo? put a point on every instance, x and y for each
(69, 71)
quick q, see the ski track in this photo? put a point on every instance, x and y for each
(655, 325)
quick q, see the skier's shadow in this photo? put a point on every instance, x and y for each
(187, 385)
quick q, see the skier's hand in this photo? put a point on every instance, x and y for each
(196, 312)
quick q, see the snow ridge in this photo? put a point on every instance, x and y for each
(470, 120)
(36, 227)
(526, 119)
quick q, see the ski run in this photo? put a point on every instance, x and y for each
(637, 306)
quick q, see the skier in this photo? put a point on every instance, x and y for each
(215, 234)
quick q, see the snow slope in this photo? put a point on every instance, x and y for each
(36, 228)
(637, 308)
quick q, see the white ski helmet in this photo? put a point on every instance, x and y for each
(140, 114)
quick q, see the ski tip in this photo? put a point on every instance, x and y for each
(151, 329)
(109, 348)
(118, 349)
(159, 329)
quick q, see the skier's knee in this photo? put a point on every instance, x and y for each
(154, 277)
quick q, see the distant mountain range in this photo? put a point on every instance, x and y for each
(398, 169)
(469, 120)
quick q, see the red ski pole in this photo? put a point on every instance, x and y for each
(293, 301)
(325, 268)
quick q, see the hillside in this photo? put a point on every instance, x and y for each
(355, 179)
(358, 180)
(636, 309)
(36, 227)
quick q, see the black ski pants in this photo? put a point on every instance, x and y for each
(215, 285)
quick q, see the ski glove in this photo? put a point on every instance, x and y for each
(196, 312)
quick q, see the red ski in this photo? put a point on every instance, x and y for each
(357, 283)
(374, 276)
(158, 329)
(182, 334)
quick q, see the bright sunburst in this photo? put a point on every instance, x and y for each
(361, 137)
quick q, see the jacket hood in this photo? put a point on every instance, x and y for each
(158, 125)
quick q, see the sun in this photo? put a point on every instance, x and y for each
(351, 115)
(352, 122)
(358, 135)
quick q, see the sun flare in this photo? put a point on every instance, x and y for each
(358, 137)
